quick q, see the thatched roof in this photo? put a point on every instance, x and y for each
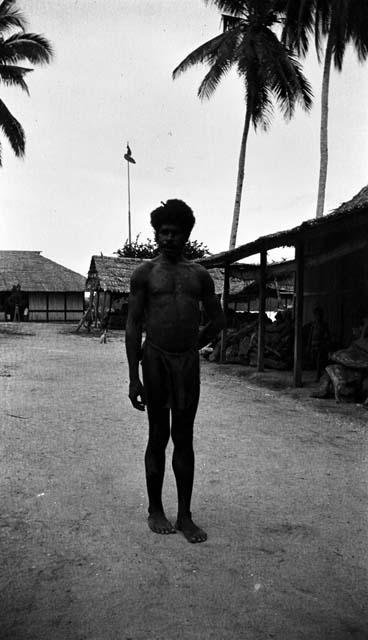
(353, 212)
(251, 291)
(111, 273)
(359, 201)
(217, 275)
(35, 273)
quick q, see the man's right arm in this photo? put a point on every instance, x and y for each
(133, 335)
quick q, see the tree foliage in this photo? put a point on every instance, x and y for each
(340, 23)
(17, 45)
(138, 249)
(269, 70)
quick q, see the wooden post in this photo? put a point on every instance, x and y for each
(88, 311)
(262, 310)
(298, 320)
(225, 299)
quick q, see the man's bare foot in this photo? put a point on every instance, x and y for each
(190, 530)
(158, 523)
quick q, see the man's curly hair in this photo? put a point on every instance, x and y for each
(173, 212)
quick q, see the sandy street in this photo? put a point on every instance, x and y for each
(281, 488)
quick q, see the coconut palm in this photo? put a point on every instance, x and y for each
(339, 23)
(17, 45)
(269, 70)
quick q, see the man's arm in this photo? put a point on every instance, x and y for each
(212, 307)
(133, 336)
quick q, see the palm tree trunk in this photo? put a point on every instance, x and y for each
(324, 128)
(239, 184)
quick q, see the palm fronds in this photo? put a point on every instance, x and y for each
(15, 48)
(205, 53)
(26, 46)
(14, 76)
(13, 130)
(267, 66)
(11, 17)
(231, 7)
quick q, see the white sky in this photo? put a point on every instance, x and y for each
(110, 82)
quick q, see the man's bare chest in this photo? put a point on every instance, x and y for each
(174, 282)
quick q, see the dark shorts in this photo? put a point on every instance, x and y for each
(171, 380)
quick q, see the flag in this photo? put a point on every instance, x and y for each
(128, 155)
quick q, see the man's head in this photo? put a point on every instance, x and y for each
(173, 212)
(172, 222)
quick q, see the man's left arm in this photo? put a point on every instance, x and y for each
(213, 310)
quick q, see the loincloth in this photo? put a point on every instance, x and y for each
(170, 380)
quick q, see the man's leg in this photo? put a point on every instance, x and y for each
(159, 433)
(183, 466)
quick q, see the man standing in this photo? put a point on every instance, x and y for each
(165, 294)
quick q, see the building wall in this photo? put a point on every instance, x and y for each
(37, 307)
(55, 307)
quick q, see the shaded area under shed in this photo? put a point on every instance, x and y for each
(330, 270)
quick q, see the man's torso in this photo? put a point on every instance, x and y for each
(173, 292)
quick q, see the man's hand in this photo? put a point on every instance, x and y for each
(136, 390)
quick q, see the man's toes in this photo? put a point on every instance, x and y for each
(162, 528)
(201, 536)
(170, 530)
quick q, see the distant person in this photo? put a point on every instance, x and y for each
(319, 342)
(165, 293)
(14, 303)
(16, 317)
(18, 302)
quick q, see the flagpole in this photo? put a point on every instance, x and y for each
(129, 158)
(129, 216)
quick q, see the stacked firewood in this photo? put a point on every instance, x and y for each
(241, 346)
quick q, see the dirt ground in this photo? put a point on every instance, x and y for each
(280, 487)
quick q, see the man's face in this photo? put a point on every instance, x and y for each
(171, 240)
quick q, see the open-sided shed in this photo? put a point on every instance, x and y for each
(49, 291)
(330, 267)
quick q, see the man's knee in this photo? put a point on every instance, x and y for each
(182, 436)
(158, 440)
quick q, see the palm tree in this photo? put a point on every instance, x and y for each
(269, 70)
(17, 45)
(340, 22)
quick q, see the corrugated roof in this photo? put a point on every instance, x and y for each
(111, 273)
(35, 273)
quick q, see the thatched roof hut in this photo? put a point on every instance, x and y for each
(50, 292)
(34, 272)
(111, 273)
